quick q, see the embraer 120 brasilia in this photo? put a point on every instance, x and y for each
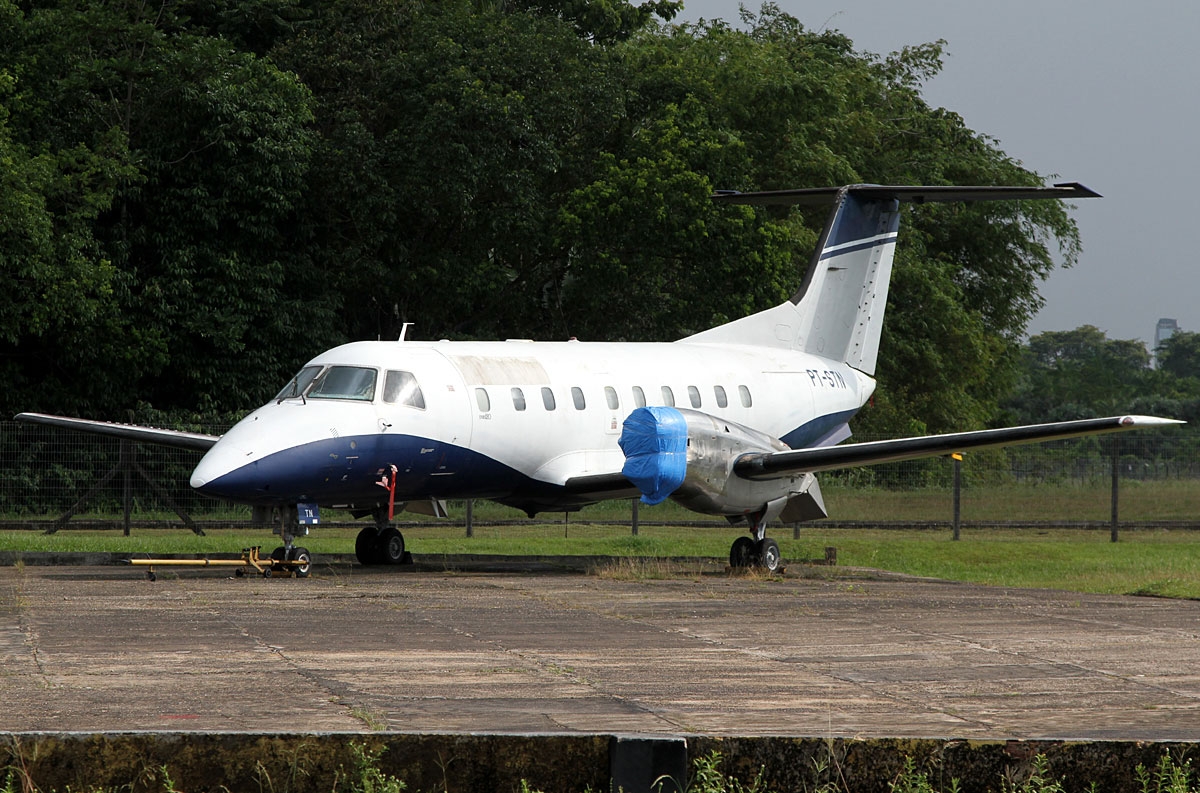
(734, 421)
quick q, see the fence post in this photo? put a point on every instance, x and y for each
(126, 457)
(634, 518)
(1116, 467)
(470, 517)
(957, 494)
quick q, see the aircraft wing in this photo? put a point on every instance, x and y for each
(129, 432)
(771, 465)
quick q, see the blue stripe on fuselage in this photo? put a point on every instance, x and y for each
(345, 470)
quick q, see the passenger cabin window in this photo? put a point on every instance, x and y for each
(610, 396)
(482, 401)
(402, 388)
(744, 393)
(668, 396)
(694, 396)
(548, 398)
(518, 399)
(577, 397)
(345, 382)
(639, 396)
(297, 385)
(722, 400)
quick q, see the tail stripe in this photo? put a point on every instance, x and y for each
(857, 245)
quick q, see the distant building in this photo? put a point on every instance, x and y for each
(1165, 329)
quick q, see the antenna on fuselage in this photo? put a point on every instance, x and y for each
(404, 330)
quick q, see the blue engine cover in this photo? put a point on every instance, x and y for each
(654, 440)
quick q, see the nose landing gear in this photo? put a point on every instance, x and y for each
(289, 557)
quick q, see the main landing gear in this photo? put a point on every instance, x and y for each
(381, 543)
(757, 550)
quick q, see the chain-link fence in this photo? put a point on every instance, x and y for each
(46, 472)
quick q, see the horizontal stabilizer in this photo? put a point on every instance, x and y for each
(916, 194)
(837, 313)
(129, 432)
(779, 464)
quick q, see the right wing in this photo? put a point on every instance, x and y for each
(773, 465)
(129, 432)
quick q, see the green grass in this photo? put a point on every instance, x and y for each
(1147, 561)
(1151, 562)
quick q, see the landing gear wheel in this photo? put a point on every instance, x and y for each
(304, 558)
(742, 554)
(366, 547)
(768, 554)
(391, 546)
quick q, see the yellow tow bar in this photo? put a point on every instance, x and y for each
(299, 564)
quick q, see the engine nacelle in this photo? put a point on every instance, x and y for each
(688, 456)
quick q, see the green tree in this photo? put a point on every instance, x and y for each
(449, 138)
(1080, 373)
(1179, 354)
(600, 21)
(647, 230)
(806, 109)
(205, 150)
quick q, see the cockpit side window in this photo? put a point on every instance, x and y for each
(345, 382)
(297, 385)
(402, 387)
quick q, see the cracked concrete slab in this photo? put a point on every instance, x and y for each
(103, 649)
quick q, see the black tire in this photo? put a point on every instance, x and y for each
(304, 558)
(390, 546)
(768, 554)
(365, 546)
(742, 554)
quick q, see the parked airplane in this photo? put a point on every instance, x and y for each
(733, 421)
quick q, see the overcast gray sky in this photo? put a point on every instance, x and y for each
(1103, 92)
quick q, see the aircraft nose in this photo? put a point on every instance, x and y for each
(223, 458)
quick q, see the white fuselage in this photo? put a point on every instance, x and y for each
(511, 420)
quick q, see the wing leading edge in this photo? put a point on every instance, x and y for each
(779, 464)
(129, 432)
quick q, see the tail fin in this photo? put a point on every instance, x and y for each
(838, 311)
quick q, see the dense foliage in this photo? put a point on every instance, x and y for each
(1082, 373)
(198, 195)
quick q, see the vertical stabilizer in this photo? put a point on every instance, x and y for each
(841, 302)
(838, 311)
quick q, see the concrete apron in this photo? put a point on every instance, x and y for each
(478, 680)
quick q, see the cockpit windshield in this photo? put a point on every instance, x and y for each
(297, 385)
(345, 382)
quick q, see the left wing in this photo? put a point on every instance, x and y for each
(772, 465)
(129, 432)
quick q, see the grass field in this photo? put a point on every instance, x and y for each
(1150, 562)
(1164, 562)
